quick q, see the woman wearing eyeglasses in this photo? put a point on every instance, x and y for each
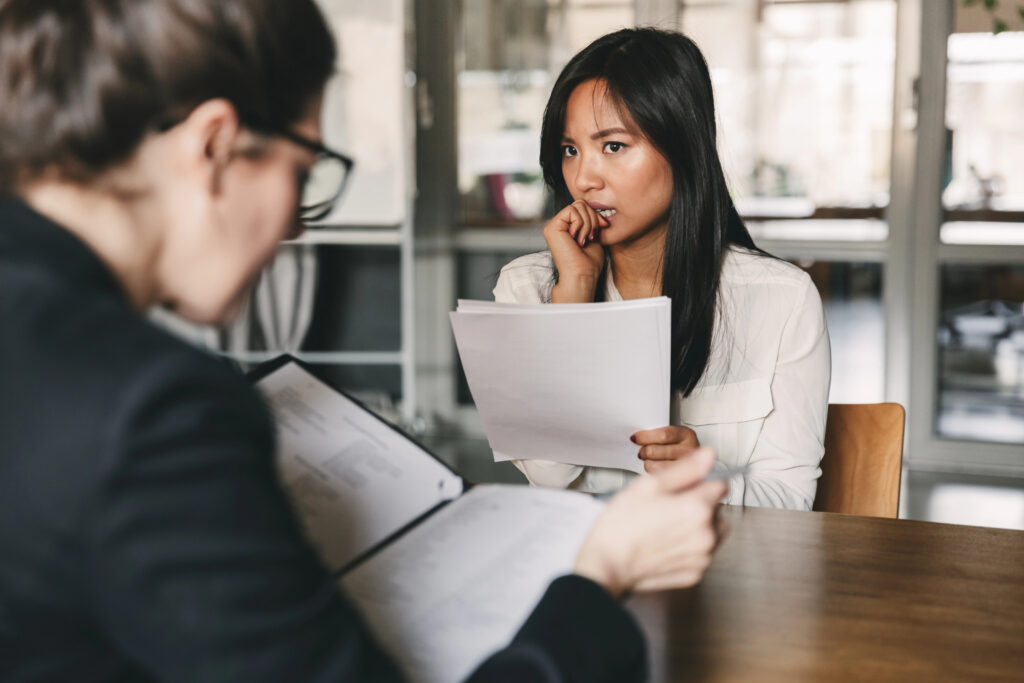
(629, 148)
(153, 153)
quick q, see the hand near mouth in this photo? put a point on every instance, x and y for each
(572, 236)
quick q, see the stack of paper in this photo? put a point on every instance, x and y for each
(567, 382)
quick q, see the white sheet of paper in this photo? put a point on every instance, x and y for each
(353, 479)
(459, 585)
(567, 382)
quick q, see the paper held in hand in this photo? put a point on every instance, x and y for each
(567, 382)
(442, 576)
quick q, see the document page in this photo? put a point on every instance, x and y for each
(458, 586)
(353, 479)
(567, 382)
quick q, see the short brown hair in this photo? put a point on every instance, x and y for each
(83, 81)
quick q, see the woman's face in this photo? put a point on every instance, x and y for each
(253, 207)
(608, 163)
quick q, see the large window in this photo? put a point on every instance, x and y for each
(981, 353)
(980, 327)
(804, 92)
(984, 178)
(512, 50)
(874, 143)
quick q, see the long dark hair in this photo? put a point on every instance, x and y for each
(660, 79)
(83, 82)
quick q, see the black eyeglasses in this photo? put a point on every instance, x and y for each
(326, 181)
(322, 187)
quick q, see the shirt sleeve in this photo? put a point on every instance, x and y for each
(195, 566)
(784, 465)
(552, 647)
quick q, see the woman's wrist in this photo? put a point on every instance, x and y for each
(577, 289)
(590, 566)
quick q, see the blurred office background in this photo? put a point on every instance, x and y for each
(877, 144)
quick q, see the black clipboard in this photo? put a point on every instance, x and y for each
(266, 368)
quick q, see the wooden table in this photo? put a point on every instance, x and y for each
(808, 596)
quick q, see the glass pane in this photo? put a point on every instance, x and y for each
(852, 296)
(984, 179)
(804, 92)
(512, 50)
(358, 300)
(320, 299)
(981, 353)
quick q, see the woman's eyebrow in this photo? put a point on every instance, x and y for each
(608, 131)
(600, 134)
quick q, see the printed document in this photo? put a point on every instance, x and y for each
(459, 585)
(463, 571)
(353, 479)
(567, 382)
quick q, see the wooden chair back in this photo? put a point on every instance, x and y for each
(860, 472)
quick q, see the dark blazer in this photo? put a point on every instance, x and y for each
(143, 535)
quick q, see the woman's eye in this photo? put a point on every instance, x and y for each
(613, 147)
(568, 151)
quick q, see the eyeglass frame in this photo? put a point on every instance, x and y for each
(322, 209)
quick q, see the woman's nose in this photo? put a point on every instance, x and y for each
(589, 174)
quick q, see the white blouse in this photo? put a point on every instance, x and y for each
(763, 398)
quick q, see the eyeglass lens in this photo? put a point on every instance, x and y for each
(324, 185)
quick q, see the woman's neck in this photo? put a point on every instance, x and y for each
(110, 226)
(636, 265)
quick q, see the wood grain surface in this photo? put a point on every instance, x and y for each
(860, 473)
(811, 596)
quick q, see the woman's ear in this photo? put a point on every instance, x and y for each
(207, 138)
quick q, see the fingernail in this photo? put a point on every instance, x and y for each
(632, 437)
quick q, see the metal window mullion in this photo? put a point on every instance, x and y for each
(433, 349)
(982, 253)
(974, 457)
(322, 357)
(821, 250)
(935, 27)
(897, 281)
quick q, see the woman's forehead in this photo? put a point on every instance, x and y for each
(592, 108)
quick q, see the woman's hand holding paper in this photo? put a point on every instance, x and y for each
(659, 532)
(659, 448)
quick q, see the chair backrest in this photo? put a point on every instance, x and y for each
(860, 472)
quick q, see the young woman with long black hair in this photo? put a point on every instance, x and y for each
(628, 146)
